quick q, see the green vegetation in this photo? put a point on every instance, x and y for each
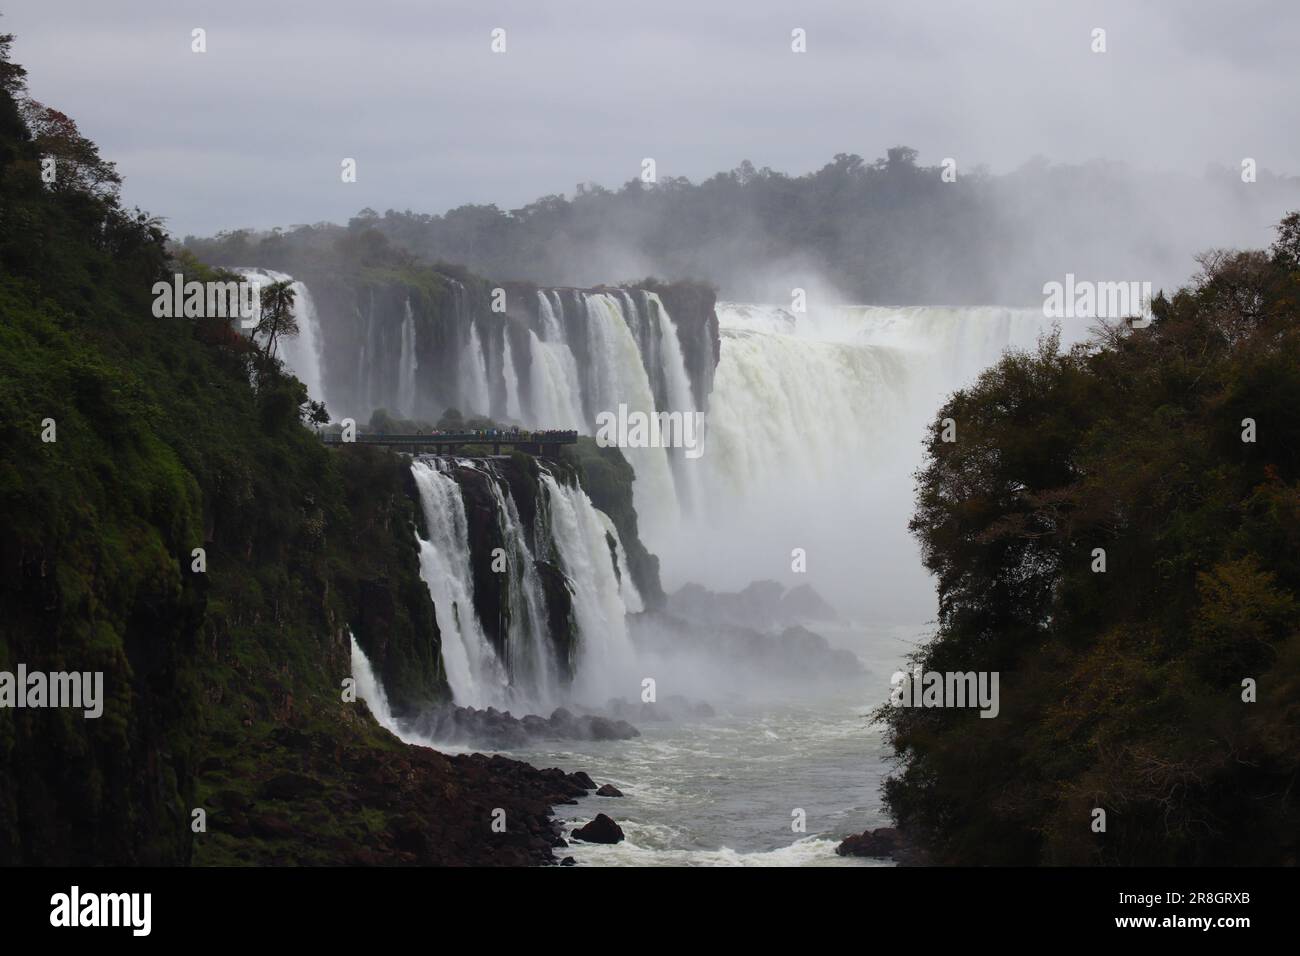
(1121, 690)
(172, 434)
(888, 230)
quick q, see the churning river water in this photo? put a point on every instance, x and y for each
(723, 790)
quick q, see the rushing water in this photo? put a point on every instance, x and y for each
(410, 365)
(721, 790)
(302, 353)
(815, 428)
(814, 432)
(570, 532)
(476, 676)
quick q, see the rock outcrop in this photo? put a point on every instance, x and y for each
(494, 729)
(883, 843)
(600, 830)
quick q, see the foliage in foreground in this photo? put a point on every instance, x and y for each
(172, 434)
(1121, 690)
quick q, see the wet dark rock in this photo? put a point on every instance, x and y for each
(500, 730)
(602, 728)
(533, 724)
(802, 603)
(390, 805)
(603, 829)
(584, 780)
(568, 861)
(609, 790)
(883, 843)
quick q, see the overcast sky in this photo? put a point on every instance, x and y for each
(252, 132)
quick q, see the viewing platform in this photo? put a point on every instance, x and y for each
(544, 444)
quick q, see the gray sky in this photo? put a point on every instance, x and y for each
(252, 132)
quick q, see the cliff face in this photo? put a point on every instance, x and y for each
(692, 305)
(170, 525)
(387, 604)
(516, 479)
(163, 448)
(528, 570)
(416, 341)
(385, 327)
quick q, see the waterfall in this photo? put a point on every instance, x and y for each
(672, 362)
(814, 430)
(302, 353)
(677, 398)
(618, 377)
(369, 688)
(557, 389)
(513, 410)
(475, 394)
(571, 533)
(363, 355)
(551, 331)
(556, 400)
(476, 677)
(605, 657)
(627, 588)
(578, 354)
(371, 691)
(534, 672)
(409, 365)
(815, 427)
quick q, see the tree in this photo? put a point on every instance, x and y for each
(277, 319)
(1286, 250)
(78, 165)
(1123, 689)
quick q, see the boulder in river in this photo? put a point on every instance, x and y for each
(600, 830)
(880, 842)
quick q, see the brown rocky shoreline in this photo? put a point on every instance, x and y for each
(302, 798)
(884, 843)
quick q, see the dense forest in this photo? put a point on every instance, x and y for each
(169, 522)
(1116, 531)
(892, 231)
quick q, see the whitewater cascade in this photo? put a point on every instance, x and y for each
(582, 354)
(815, 427)
(369, 689)
(476, 396)
(409, 363)
(600, 604)
(302, 353)
(567, 531)
(815, 424)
